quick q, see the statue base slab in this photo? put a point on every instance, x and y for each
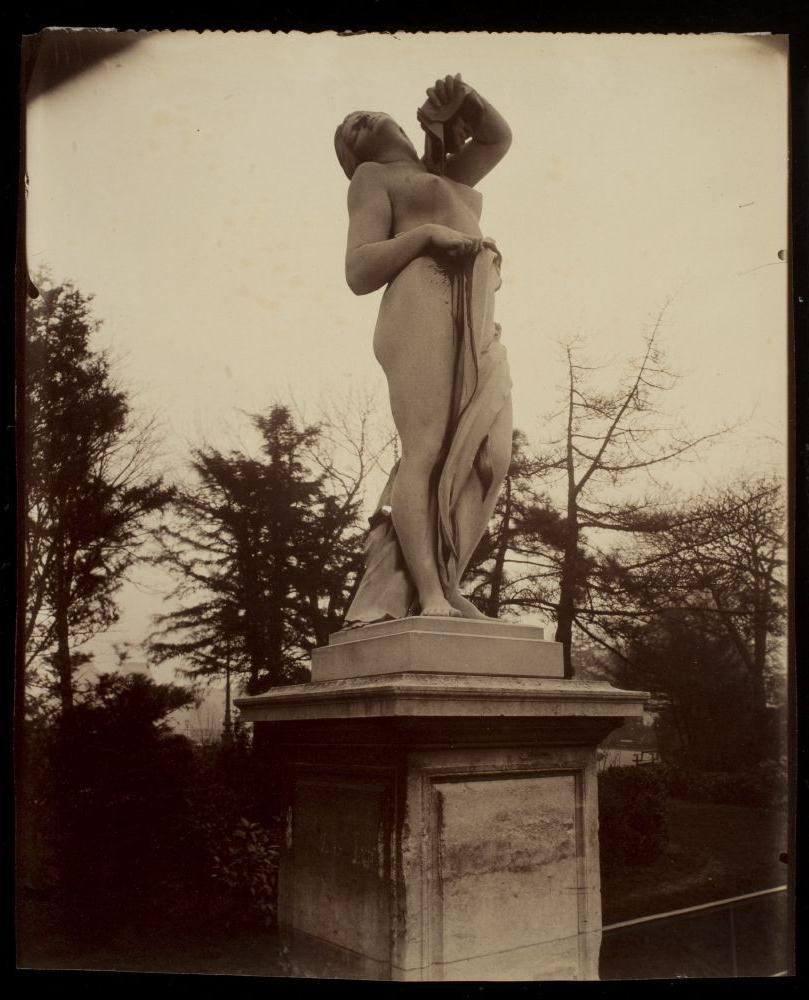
(439, 826)
(430, 644)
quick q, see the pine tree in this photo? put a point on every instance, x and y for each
(264, 550)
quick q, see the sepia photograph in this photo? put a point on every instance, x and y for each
(404, 485)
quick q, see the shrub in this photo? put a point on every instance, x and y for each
(127, 824)
(247, 865)
(693, 785)
(234, 822)
(632, 815)
(762, 786)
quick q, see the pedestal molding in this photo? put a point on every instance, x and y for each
(434, 695)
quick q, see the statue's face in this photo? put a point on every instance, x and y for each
(368, 133)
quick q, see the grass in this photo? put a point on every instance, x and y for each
(714, 852)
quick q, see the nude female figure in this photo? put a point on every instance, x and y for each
(411, 229)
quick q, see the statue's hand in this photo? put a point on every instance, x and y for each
(453, 242)
(445, 91)
(452, 90)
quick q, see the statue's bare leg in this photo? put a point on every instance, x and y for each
(413, 509)
(472, 513)
(414, 517)
(418, 359)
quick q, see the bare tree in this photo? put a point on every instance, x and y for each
(610, 437)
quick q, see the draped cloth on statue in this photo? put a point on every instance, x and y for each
(481, 387)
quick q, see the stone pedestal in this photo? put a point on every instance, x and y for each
(438, 645)
(440, 826)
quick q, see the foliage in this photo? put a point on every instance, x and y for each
(763, 785)
(129, 709)
(246, 863)
(233, 816)
(86, 483)
(632, 802)
(264, 549)
(123, 822)
(632, 815)
(697, 619)
(97, 789)
(723, 559)
(699, 677)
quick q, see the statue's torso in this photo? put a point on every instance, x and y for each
(418, 198)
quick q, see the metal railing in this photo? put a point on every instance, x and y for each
(739, 936)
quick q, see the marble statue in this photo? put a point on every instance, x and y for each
(414, 227)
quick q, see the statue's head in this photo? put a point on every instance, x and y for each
(344, 147)
(369, 135)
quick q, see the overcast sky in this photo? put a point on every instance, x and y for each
(190, 184)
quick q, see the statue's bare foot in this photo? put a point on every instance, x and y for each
(440, 608)
(466, 608)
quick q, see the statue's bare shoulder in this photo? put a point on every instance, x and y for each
(368, 177)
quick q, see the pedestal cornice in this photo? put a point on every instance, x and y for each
(437, 695)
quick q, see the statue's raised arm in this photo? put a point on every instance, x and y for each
(475, 136)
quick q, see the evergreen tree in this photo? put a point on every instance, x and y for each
(695, 678)
(87, 487)
(264, 550)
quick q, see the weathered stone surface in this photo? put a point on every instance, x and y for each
(337, 888)
(507, 841)
(446, 645)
